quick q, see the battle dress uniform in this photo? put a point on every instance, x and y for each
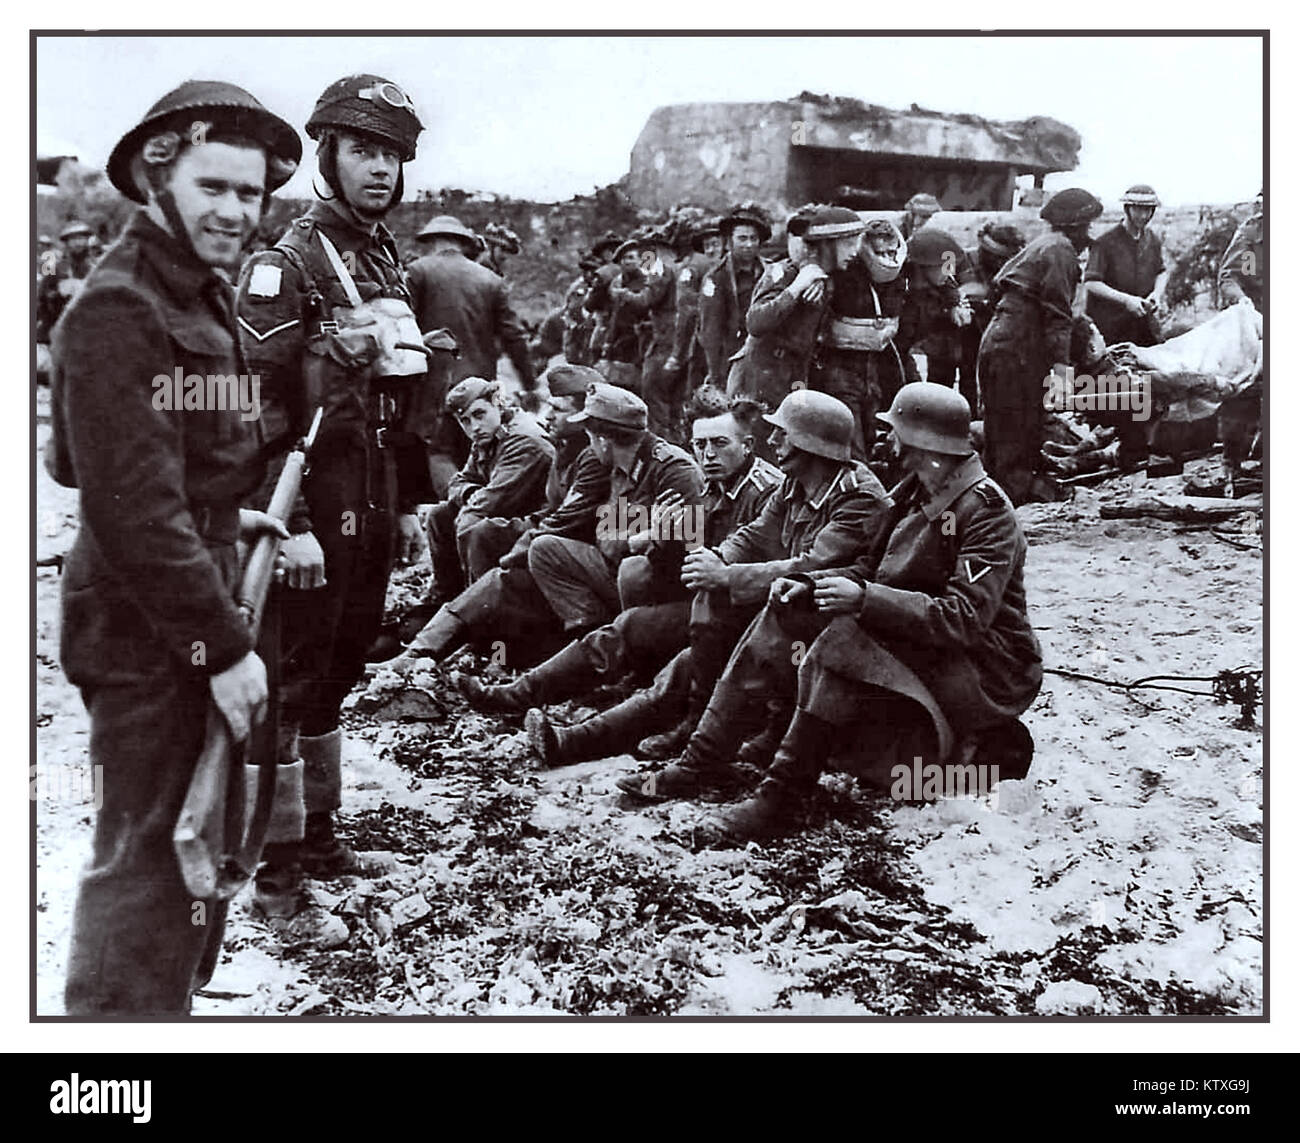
(503, 481)
(149, 615)
(641, 638)
(581, 581)
(1029, 333)
(725, 294)
(1130, 265)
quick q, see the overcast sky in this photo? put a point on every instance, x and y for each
(547, 118)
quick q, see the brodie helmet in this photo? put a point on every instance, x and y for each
(213, 106)
(1140, 194)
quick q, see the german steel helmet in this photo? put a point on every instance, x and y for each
(1070, 207)
(217, 105)
(371, 104)
(1139, 194)
(932, 417)
(815, 422)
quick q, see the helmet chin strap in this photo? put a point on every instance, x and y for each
(180, 232)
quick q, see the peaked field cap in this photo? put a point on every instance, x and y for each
(466, 392)
(565, 380)
(225, 105)
(615, 406)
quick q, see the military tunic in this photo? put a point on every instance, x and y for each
(1029, 333)
(725, 295)
(783, 334)
(365, 470)
(503, 481)
(148, 609)
(580, 581)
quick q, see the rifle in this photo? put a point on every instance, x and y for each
(217, 855)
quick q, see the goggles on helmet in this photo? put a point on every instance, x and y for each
(389, 93)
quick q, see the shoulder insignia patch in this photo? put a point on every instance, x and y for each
(709, 288)
(264, 282)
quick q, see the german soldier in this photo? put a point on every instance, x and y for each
(503, 481)
(151, 633)
(327, 322)
(922, 649)
(826, 509)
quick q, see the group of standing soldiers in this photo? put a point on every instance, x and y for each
(586, 541)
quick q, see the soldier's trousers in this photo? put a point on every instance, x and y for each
(326, 632)
(505, 606)
(664, 397)
(139, 936)
(576, 580)
(1011, 375)
(463, 547)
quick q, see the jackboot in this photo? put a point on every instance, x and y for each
(613, 731)
(566, 674)
(437, 639)
(759, 751)
(774, 806)
(733, 715)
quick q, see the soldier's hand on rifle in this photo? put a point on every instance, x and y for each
(240, 695)
(410, 539)
(703, 570)
(302, 562)
(788, 590)
(838, 595)
(252, 523)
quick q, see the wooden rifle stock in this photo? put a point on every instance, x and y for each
(216, 854)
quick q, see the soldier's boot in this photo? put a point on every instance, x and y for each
(611, 732)
(437, 639)
(278, 881)
(774, 807)
(322, 854)
(758, 752)
(566, 674)
(661, 747)
(732, 716)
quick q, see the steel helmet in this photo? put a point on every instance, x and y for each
(929, 247)
(815, 422)
(214, 105)
(931, 417)
(445, 225)
(746, 214)
(73, 229)
(1071, 207)
(1139, 194)
(371, 104)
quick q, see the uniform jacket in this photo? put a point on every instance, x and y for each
(54, 291)
(783, 334)
(630, 298)
(1038, 286)
(655, 302)
(579, 325)
(798, 531)
(449, 291)
(505, 477)
(657, 467)
(287, 296)
(148, 584)
(1241, 273)
(686, 321)
(722, 315)
(948, 580)
(729, 507)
